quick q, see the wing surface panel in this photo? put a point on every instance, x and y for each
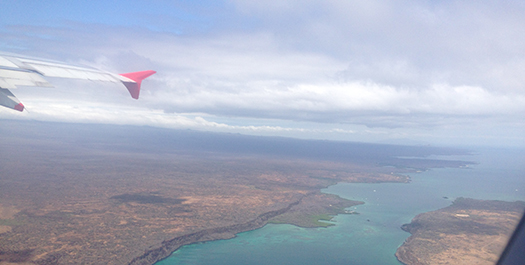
(13, 78)
(7, 63)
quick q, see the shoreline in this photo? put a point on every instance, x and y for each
(170, 246)
(289, 214)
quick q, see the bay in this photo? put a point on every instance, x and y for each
(372, 236)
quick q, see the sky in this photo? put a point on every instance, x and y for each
(416, 72)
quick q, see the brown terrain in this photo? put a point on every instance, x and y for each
(77, 199)
(120, 208)
(467, 232)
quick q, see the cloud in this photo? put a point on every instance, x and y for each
(72, 111)
(383, 64)
(457, 42)
(356, 102)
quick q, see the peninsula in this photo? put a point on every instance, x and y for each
(467, 232)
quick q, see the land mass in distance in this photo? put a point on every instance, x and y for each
(467, 232)
(94, 194)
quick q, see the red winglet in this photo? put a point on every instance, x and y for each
(134, 88)
(19, 107)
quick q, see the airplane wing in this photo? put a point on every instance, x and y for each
(18, 71)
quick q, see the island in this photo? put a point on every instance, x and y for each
(106, 194)
(467, 232)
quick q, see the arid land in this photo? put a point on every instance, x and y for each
(83, 197)
(467, 232)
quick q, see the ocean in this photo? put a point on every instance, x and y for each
(373, 235)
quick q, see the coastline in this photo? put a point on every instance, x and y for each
(286, 215)
(169, 246)
(437, 198)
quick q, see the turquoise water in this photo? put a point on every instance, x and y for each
(373, 236)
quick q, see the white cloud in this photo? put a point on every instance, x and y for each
(337, 64)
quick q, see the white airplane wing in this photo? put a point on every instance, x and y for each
(18, 71)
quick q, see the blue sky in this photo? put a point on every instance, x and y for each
(180, 17)
(433, 72)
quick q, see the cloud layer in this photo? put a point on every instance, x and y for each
(405, 67)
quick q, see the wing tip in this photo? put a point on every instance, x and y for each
(19, 107)
(137, 77)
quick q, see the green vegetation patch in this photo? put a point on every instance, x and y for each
(318, 219)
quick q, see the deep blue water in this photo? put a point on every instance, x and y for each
(373, 236)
